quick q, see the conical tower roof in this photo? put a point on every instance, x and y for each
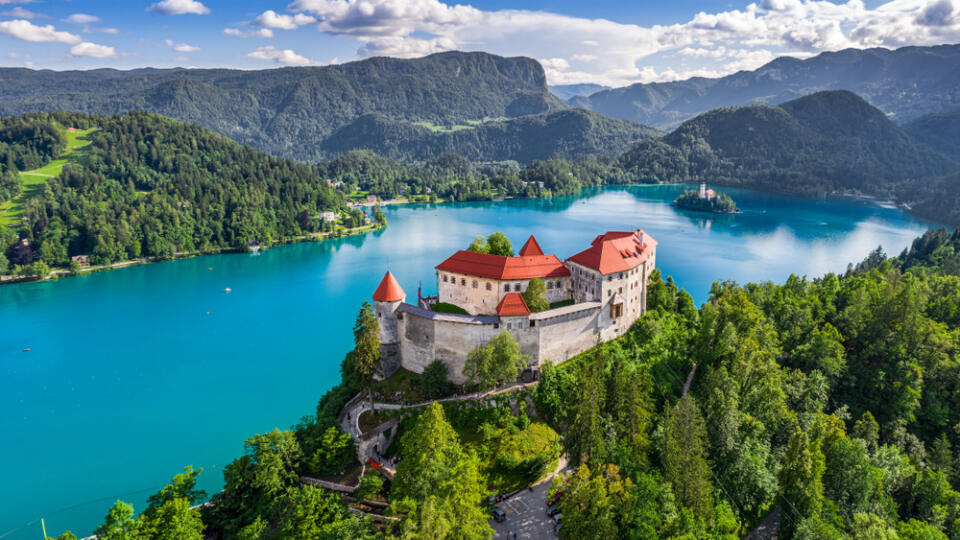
(531, 248)
(389, 290)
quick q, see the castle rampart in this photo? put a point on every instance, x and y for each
(607, 283)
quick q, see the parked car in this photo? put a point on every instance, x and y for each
(498, 514)
(552, 509)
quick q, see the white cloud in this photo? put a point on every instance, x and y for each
(82, 18)
(93, 50)
(179, 7)
(258, 33)
(271, 19)
(184, 48)
(21, 13)
(286, 56)
(27, 31)
(713, 43)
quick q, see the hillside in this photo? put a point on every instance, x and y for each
(148, 186)
(814, 145)
(570, 134)
(567, 91)
(939, 131)
(289, 112)
(904, 83)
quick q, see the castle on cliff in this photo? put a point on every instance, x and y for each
(601, 291)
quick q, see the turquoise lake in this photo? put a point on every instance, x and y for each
(128, 379)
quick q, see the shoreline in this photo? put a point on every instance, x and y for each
(61, 273)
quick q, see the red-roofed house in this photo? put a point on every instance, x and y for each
(513, 305)
(477, 282)
(614, 270)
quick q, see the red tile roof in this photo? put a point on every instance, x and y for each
(512, 305)
(389, 290)
(616, 251)
(531, 248)
(497, 267)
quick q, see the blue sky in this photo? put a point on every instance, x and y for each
(614, 43)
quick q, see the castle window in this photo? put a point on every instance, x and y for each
(609, 278)
(489, 286)
(516, 287)
(445, 278)
(533, 323)
(474, 284)
(558, 284)
(621, 290)
(609, 293)
(496, 326)
(549, 284)
(463, 282)
(506, 287)
(616, 310)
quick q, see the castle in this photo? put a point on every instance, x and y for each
(599, 292)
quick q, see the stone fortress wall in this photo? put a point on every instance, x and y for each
(605, 307)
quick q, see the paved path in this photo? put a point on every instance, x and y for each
(527, 512)
(350, 417)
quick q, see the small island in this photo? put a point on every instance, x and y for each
(706, 200)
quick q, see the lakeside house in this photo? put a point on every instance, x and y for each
(599, 293)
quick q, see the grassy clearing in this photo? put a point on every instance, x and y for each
(35, 180)
(444, 307)
(403, 384)
(470, 124)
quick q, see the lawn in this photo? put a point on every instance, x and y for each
(33, 181)
(444, 307)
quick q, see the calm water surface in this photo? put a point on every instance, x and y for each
(128, 379)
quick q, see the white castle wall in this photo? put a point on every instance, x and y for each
(482, 295)
(413, 337)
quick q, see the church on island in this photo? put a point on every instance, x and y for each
(596, 294)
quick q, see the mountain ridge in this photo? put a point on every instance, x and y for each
(904, 83)
(278, 110)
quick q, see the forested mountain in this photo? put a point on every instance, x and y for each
(814, 145)
(571, 134)
(940, 131)
(904, 83)
(567, 91)
(290, 111)
(151, 186)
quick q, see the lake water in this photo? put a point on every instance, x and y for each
(129, 379)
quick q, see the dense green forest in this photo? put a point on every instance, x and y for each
(570, 134)
(940, 131)
(147, 186)
(830, 406)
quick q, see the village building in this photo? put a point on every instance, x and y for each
(598, 293)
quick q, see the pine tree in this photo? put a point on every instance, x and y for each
(801, 482)
(366, 358)
(684, 458)
(438, 485)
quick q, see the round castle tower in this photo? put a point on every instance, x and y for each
(386, 299)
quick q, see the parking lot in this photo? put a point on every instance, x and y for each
(526, 516)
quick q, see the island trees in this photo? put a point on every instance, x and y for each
(499, 360)
(438, 485)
